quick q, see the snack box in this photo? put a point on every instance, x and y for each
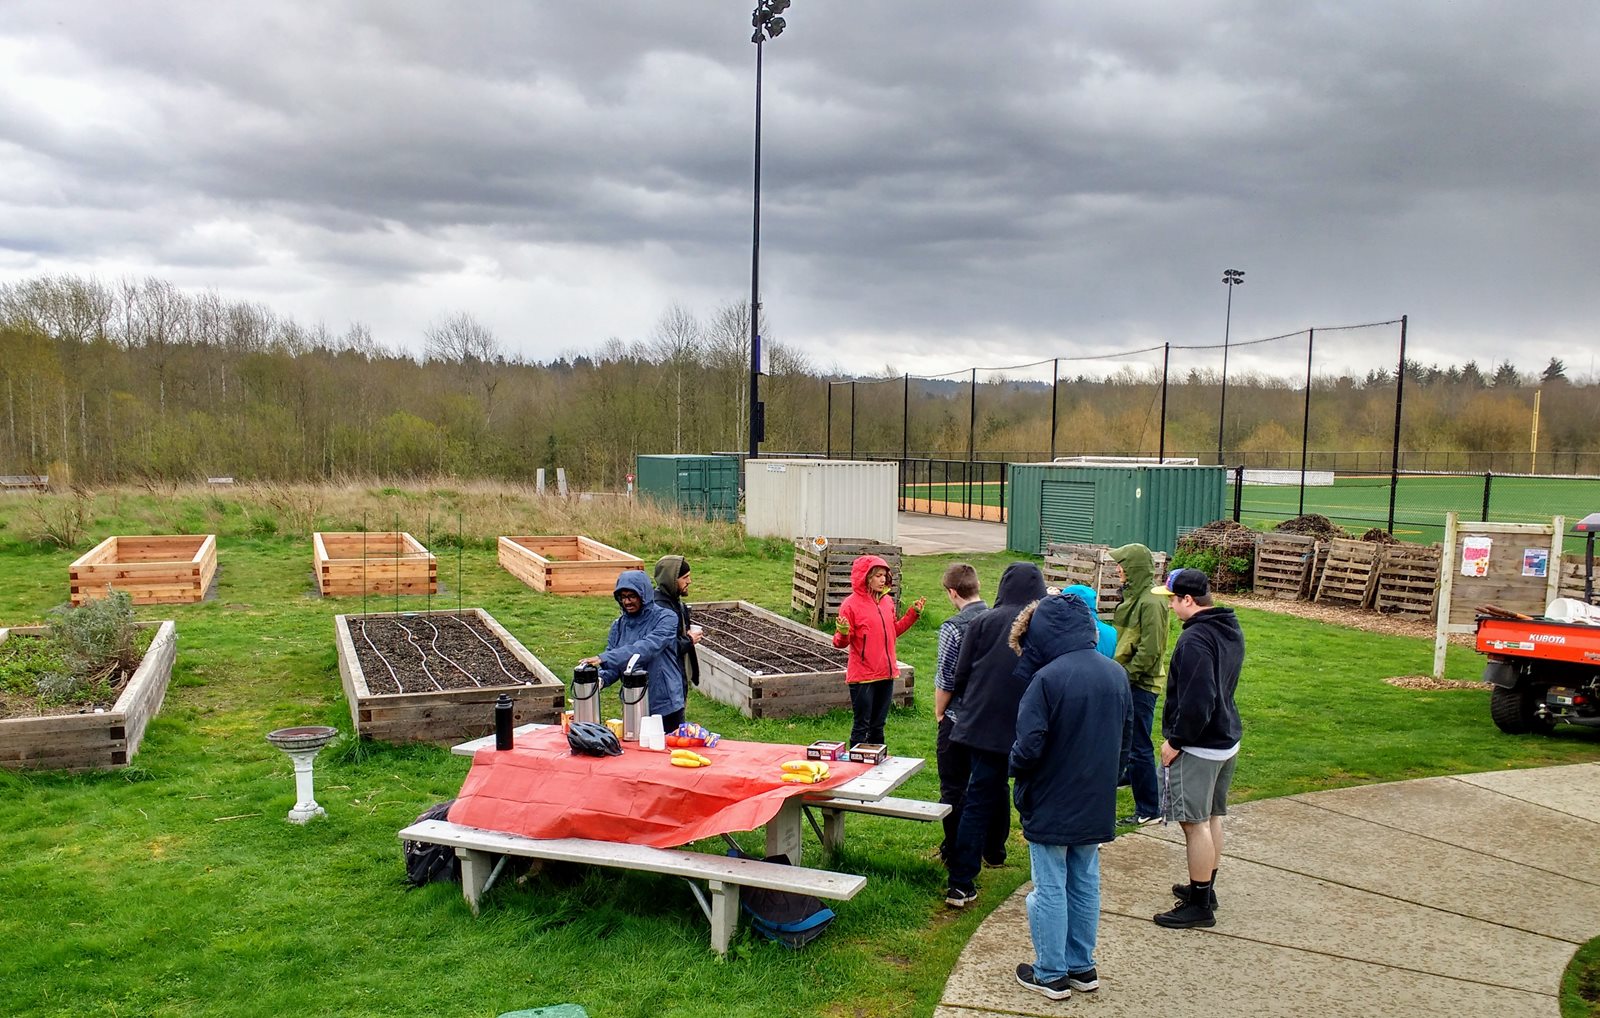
(825, 750)
(869, 753)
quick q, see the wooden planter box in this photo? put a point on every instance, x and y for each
(383, 562)
(780, 694)
(80, 742)
(822, 578)
(152, 570)
(565, 565)
(451, 716)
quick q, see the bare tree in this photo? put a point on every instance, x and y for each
(677, 343)
(462, 340)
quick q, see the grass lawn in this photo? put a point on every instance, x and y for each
(175, 887)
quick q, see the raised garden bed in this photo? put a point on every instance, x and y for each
(166, 569)
(383, 562)
(434, 676)
(89, 741)
(767, 666)
(571, 565)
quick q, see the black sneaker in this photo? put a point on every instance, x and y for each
(1138, 820)
(1060, 989)
(1182, 891)
(994, 864)
(1086, 981)
(955, 897)
(1186, 913)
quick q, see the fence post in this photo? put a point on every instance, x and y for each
(1305, 426)
(852, 419)
(1055, 398)
(972, 419)
(1004, 469)
(1399, 402)
(905, 420)
(1238, 492)
(1487, 479)
(829, 430)
(1161, 450)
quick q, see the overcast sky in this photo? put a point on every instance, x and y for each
(944, 184)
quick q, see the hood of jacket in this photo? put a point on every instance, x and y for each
(636, 581)
(1057, 625)
(668, 572)
(1021, 583)
(859, 570)
(1086, 594)
(1139, 575)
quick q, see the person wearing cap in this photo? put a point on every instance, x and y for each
(649, 630)
(1200, 738)
(672, 583)
(1141, 622)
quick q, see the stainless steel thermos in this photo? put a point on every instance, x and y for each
(586, 693)
(635, 702)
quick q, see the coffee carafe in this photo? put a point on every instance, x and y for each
(635, 701)
(586, 693)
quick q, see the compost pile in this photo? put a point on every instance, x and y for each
(432, 653)
(1221, 544)
(1378, 535)
(1312, 525)
(759, 646)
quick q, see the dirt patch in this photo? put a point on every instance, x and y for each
(1338, 615)
(1432, 684)
(761, 647)
(1312, 525)
(1378, 535)
(430, 653)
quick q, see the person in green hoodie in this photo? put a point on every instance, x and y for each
(1141, 624)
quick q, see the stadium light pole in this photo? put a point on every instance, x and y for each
(1231, 278)
(768, 24)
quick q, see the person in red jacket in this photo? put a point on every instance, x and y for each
(867, 626)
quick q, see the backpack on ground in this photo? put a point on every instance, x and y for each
(428, 863)
(793, 920)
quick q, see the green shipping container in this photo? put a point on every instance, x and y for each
(703, 486)
(1110, 504)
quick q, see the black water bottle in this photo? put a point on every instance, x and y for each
(502, 722)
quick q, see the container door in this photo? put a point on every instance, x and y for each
(1066, 512)
(692, 494)
(722, 489)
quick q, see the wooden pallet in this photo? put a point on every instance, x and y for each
(1348, 576)
(1571, 582)
(1091, 565)
(1407, 581)
(822, 577)
(1283, 565)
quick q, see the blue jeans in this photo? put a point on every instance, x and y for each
(1141, 763)
(1063, 908)
(988, 797)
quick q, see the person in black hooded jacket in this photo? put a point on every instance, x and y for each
(672, 583)
(1074, 724)
(989, 693)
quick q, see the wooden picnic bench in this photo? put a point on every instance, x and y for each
(724, 875)
(834, 809)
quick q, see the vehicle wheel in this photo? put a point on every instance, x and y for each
(1513, 710)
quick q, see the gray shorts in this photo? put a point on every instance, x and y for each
(1196, 789)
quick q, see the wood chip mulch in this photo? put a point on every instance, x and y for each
(1339, 615)
(1430, 683)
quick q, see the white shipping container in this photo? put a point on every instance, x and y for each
(822, 498)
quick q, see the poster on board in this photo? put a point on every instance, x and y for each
(1475, 556)
(1536, 562)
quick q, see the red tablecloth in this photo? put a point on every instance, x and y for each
(540, 789)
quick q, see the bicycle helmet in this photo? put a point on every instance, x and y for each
(590, 738)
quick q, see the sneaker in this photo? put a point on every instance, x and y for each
(1138, 820)
(994, 864)
(1086, 981)
(1186, 913)
(1059, 989)
(1182, 891)
(955, 897)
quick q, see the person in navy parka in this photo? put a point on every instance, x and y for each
(650, 630)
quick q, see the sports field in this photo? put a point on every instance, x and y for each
(1358, 503)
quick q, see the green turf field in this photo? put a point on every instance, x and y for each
(1357, 503)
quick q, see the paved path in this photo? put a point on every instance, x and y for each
(1446, 896)
(940, 535)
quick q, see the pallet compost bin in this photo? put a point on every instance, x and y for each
(382, 562)
(168, 569)
(778, 693)
(565, 565)
(451, 716)
(80, 742)
(822, 575)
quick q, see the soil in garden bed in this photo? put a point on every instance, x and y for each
(762, 647)
(23, 661)
(431, 653)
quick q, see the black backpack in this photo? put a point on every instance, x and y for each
(793, 920)
(427, 863)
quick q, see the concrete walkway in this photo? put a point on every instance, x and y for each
(941, 535)
(1445, 896)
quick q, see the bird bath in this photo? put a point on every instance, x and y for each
(302, 745)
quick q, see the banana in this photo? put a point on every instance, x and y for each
(689, 758)
(801, 779)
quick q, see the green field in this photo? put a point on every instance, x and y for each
(1357, 503)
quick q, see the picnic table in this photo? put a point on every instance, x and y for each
(630, 800)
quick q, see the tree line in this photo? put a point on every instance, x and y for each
(138, 380)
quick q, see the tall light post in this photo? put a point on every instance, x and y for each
(768, 24)
(1231, 278)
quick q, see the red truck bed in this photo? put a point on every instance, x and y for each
(1539, 638)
